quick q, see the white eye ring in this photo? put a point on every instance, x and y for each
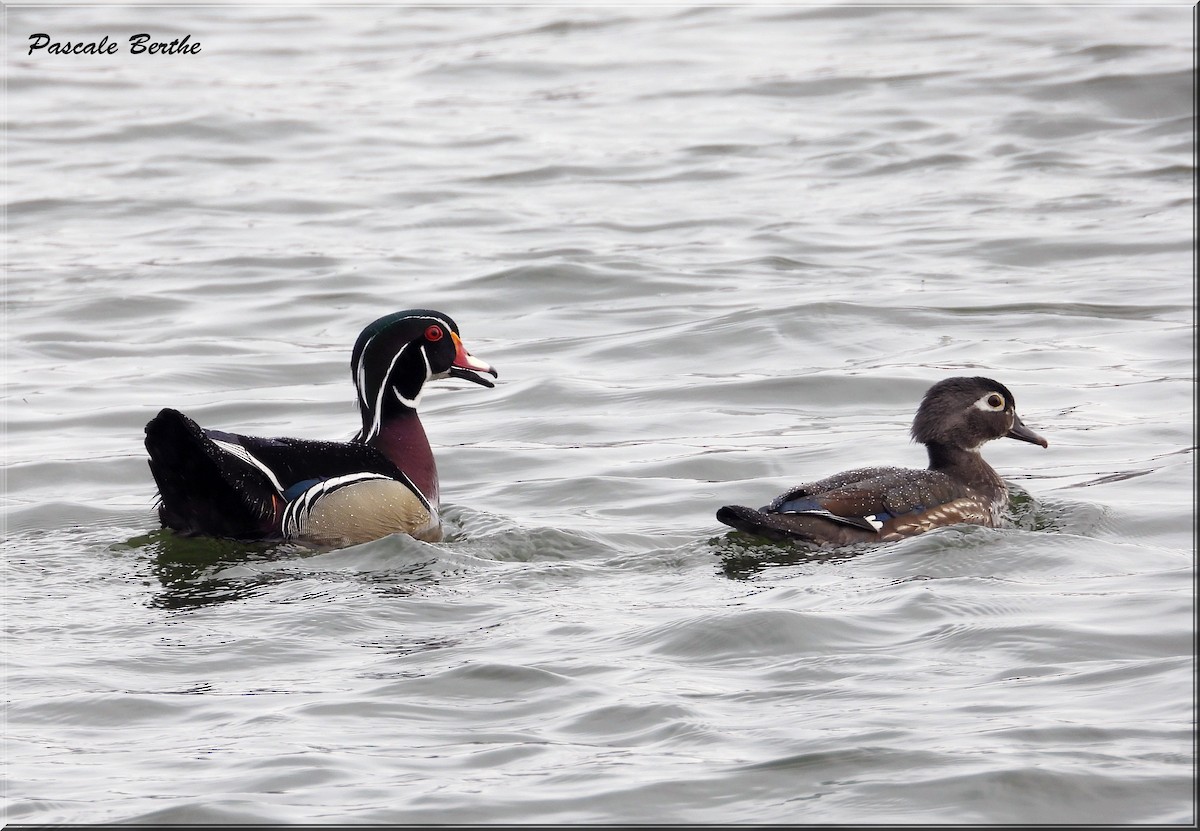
(993, 402)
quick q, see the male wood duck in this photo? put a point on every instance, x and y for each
(382, 481)
(878, 504)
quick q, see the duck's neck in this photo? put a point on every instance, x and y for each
(403, 441)
(968, 467)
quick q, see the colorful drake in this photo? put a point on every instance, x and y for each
(878, 504)
(383, 481)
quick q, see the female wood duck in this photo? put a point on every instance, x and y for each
(382, 481)
(879, 504)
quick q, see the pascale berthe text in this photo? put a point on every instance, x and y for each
(139, 44)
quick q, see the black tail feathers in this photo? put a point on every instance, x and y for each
(795, 527)
(202, 489)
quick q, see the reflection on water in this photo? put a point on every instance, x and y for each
(743, 555)
(195, 571)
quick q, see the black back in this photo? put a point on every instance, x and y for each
(205, 489)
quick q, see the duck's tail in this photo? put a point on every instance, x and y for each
(805, 527)
(203, 488)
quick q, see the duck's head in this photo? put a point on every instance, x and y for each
(396, 355)
(966, 412)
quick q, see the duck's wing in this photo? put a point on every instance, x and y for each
(868, 498)
(228, 485)
(865, 505)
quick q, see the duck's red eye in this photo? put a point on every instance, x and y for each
(434, 333)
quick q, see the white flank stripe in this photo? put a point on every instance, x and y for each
(298, 509)
(295, 516)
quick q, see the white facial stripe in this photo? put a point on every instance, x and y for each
(413, 402)
(375, 424)
(362, 370)
(362, 363)
(361, 375)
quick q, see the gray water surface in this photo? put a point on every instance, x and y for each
(713, 252)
